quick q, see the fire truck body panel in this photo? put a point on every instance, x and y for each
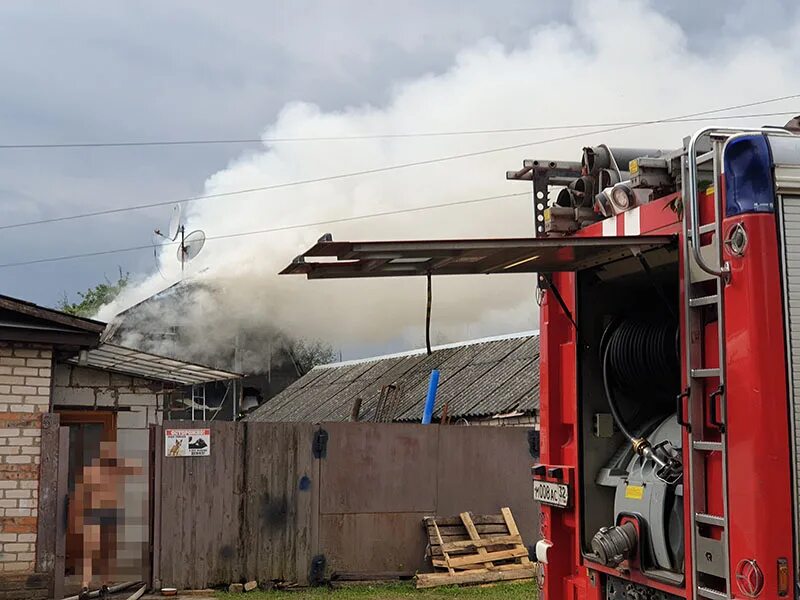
(758, 456)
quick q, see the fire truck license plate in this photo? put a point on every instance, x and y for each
(555, 494)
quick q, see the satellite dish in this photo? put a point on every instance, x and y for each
(191, 245)
(175, 222)
(175, 226)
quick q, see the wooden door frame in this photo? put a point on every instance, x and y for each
(67, 418)
(62, 498)
(81, 417)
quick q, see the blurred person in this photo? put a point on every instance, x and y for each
(99, 510)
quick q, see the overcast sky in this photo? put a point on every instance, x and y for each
(104, 71)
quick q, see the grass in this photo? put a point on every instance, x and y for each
(505, 591)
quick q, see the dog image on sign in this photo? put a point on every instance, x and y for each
(187, 442)
(175, 450)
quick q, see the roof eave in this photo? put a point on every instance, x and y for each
(49, 314)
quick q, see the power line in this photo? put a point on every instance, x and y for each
(263, 231)
(376, 136)
(388, 168)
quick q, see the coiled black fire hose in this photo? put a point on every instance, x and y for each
(639, 357)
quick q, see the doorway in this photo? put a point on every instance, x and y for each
(87, 430)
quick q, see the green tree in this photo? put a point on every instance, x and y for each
(93, 298)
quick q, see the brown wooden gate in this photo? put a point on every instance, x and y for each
(53, 494)
(300, 502)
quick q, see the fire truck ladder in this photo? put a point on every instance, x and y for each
(705, 275)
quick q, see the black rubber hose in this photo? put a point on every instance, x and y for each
(640, 358)
(611, 402)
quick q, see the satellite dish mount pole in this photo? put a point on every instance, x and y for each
(183, 249)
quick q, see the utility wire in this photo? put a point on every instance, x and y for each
(388, 168)
(377, 136)
(263, 231)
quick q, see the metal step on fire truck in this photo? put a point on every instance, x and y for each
(669, 291)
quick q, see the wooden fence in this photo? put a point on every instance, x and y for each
(298, 502)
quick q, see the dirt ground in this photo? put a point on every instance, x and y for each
(506, 591)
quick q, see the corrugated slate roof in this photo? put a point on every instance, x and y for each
(130, 361)
(477, 379)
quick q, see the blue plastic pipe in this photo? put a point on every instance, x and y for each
(430, 401)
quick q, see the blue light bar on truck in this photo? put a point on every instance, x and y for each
(749, 185)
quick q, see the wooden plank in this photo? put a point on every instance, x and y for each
(474, 536)
(481, 529)
(429, 580)
(315, 526)
(477, 519)
(497, 540)
(512, 529)
(307, 518)
(201, 512)
(277, 500)
(509, 520)
(504, 567)
(452, 538)
(61, 512)
(476, 559)
(436, 551)
(438, 562)
(441, 545)
(155, 525)
(48, 495)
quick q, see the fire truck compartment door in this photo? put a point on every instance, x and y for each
(467, 257)
(789, 227)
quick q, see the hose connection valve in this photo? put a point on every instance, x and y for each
(614, 544)
(669, 468)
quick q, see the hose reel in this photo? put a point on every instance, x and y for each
(640, 358)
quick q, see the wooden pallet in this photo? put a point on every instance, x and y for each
(471, 549)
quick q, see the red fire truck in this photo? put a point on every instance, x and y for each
(669, 292)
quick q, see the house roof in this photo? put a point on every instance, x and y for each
(482, 378)
(130, 361)
(22, 321)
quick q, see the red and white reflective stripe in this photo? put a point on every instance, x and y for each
(610, 227)
(633, 222)
(650, 218)
(627, 223)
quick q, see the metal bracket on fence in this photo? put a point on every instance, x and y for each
(316, 575)
(534, 444)
(320, 444)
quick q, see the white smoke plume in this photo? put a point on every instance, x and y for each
(614, 61)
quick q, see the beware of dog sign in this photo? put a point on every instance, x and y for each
(187, 442)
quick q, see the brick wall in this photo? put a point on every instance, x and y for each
(25, 376)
